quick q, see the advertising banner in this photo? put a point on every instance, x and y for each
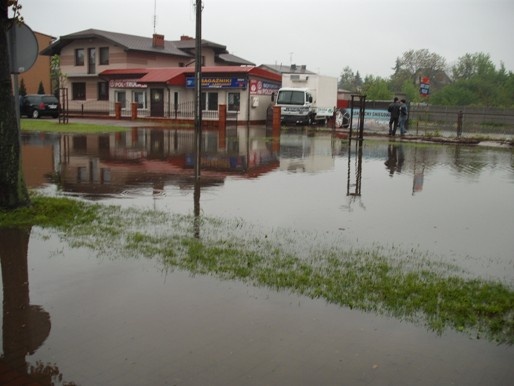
(261, 87)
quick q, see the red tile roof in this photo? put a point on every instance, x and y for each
(176, 75)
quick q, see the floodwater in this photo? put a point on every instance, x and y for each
(72, 317)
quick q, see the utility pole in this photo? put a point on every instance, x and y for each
(198, 88)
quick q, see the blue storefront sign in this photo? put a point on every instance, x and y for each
(218, 82)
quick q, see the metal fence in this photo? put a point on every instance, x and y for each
(463, 120)
(184, 110)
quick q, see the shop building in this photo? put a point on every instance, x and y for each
(243, 93)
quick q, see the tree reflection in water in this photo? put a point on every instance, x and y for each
(25, 326)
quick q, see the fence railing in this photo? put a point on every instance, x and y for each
(184, 110)
(466, 119)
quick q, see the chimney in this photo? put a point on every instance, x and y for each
(185, 37)
(158, 41)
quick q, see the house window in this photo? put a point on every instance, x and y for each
(79, 57)
(91, 68)
(121, 97)
(104, 56)
(234, 101)
(103, 91)
(78, 90)
(139, 97)
(209, 101)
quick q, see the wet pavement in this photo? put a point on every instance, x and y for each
(71, 316)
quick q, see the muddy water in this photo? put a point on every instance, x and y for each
(112, 321)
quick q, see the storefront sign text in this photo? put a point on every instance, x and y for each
(217, 82)
(123, 83)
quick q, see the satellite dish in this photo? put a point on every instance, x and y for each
(23, 47)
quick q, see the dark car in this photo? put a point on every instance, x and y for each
(36, 106)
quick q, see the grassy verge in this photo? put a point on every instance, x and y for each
(53, 125)
(364, 279)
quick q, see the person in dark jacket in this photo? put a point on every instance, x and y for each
(403, 117)
(394, 111)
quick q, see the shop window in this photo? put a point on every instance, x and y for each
(104, 56)
(139, 97)
(78, 90)
(209, 101)
(121, 97)
(79, 57)
(234, 101)
(103, 91)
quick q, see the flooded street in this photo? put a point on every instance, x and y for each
(91, 319)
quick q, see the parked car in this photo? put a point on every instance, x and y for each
(36, 106)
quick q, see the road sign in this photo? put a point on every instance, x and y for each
(424, 87)
(23, 47)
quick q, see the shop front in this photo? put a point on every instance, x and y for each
(244, 93)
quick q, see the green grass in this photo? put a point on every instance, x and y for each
(408, 287)
(53, 125)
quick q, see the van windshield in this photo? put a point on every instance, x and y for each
(290, 97)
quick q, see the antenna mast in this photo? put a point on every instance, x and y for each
(154, 15)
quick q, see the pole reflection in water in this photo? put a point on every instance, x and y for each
(419, 174)
(25, 326)
(196, 208)
(353, 190)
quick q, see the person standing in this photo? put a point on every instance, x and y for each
(394, 111)
(403, 117)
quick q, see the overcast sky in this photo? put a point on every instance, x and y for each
(325, 35)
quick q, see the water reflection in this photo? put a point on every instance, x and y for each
(308, 181)
(25, 326)
(132, 326)
(395, 158)
(107, 164)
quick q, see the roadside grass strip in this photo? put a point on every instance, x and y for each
(47, 125)
(404, 284)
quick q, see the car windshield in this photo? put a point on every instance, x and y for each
(290, 97)
(50, 100)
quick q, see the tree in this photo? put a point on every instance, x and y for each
(13, 191)
(41, 88)
(57, 77)
(350, 81)
(376, 88)
(419, 63)
(23, 89)
(472, 65)
(477, 82)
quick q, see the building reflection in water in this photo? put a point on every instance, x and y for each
(109, 164)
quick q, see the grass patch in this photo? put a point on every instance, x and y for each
(53, 125)
(366, 279)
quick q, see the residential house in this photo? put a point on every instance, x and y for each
(85, 55)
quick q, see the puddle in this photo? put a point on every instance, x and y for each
(93, 320)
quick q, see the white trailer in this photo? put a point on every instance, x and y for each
(307, 98)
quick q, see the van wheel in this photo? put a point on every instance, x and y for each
(35, 114)
(342, 118)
